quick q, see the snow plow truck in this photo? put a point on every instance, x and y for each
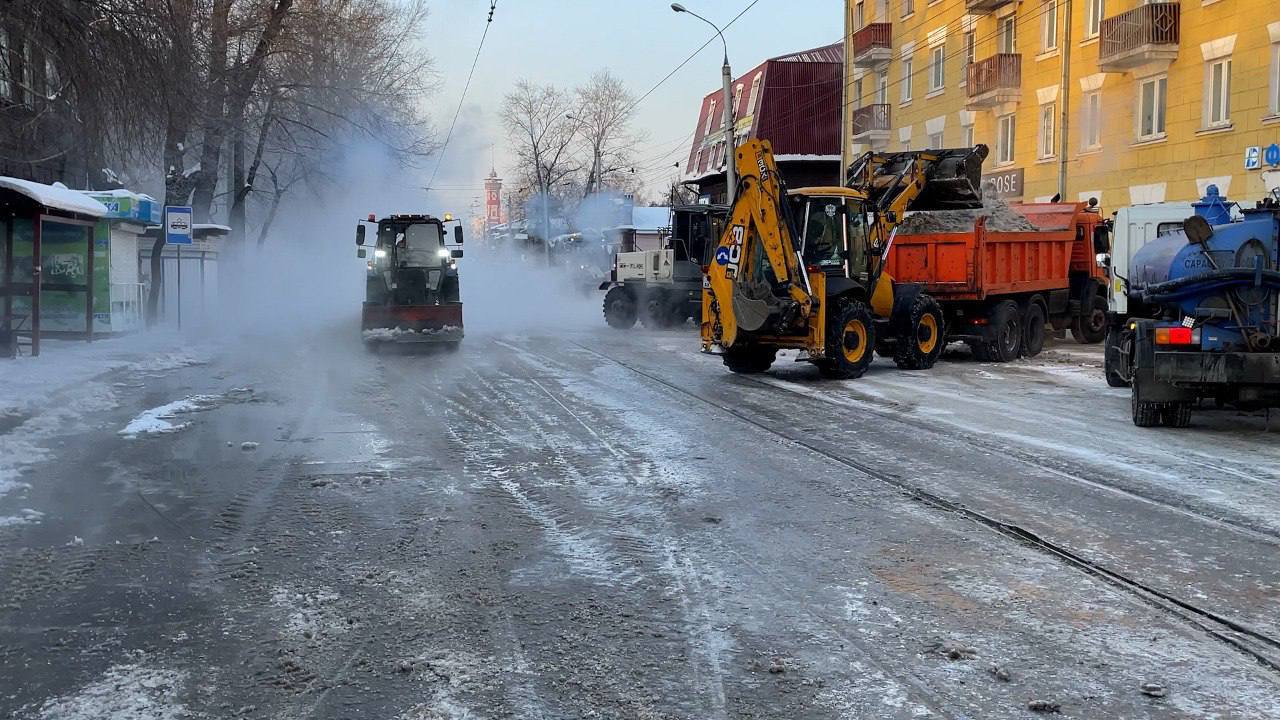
(411, 281)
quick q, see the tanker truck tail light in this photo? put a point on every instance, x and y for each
(1177, 336)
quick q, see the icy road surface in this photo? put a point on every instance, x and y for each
(610, 525)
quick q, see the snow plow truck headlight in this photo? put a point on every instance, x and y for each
(379, 253)
(443, 252)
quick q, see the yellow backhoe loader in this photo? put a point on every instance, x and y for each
(804, 269)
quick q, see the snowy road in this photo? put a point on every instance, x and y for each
(609, 525)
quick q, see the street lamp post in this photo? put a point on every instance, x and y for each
(730, 169)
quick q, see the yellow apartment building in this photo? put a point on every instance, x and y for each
(1128, 101)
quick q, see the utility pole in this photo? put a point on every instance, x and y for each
(726, 74)
(1064, 98)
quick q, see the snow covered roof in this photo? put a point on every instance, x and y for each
(57, 196)
(649, 219)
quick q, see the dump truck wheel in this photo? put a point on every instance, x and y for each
(1090, 327)
(1005, 339)
(1146, 414)
(748, 359)
(620, 308)
(920, 335)
(1176, 415)
(1033, 322)
(851, 342)
(1117, 374)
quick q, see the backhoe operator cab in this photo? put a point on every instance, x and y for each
(411, 283)
(805, 269)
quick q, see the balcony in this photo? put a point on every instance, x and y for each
(985, 6)
(873, 45)
(871, 124)
(1147, 34)
(994, 80)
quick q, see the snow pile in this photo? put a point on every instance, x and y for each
(126, 692)
(57, 196)
(24, 517)
(1000, 217)
(156, 420)
(382, 334)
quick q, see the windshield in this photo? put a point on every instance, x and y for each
(824, 232)
(419, 245)
(416, 245)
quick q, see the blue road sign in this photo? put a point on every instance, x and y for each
(1272, 155)
(177, 225)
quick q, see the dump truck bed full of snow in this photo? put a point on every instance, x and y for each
(982, 261)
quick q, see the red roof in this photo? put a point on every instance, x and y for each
(792, 100)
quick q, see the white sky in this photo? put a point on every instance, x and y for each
(564, 41)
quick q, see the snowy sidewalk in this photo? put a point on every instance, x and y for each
(47, 396)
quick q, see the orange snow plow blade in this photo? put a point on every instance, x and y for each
(412, 323)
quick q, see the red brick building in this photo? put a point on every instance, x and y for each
(793, 101)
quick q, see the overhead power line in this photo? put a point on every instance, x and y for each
(493, 5)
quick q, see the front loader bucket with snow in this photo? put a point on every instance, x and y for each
(953, 177)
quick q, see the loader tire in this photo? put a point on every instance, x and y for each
(749, 359)
(1033, 322)
(851, 342)
(1090, 326)
(921, 335)
(1004, 341)
(620, 309)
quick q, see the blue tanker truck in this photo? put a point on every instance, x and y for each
(1202, 316)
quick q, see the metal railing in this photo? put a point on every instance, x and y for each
(871, 37)
(1000, 71)
(1154, 24)
(126, 306)
(869, 118)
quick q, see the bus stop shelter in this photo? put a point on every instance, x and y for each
(35, 218)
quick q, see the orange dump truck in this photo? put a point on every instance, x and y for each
(1003, 275)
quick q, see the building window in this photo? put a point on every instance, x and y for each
(882, 88)
(1217, 93)
(859, 17)
(1275, 79)
(1091, 133)
(907, 71)
(937, 67)
(882, 10)
(1004, 139)
(968, 136)
(755, 94)
(737, 98)
(1049, 26)
(1008, 35)
(936, 141)
(1047, 118)
(908, 7)
(970, 47)
(711, 117)
(697, 161)
(1152, 94)
(857, 93)
(1093, 14)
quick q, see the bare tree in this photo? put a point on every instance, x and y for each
(604, 109)
(535, 117)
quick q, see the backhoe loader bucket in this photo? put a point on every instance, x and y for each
(954, 176)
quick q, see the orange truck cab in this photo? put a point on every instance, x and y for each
(1001, 290)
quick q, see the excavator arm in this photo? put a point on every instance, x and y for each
(925, 180)
(756, 272)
